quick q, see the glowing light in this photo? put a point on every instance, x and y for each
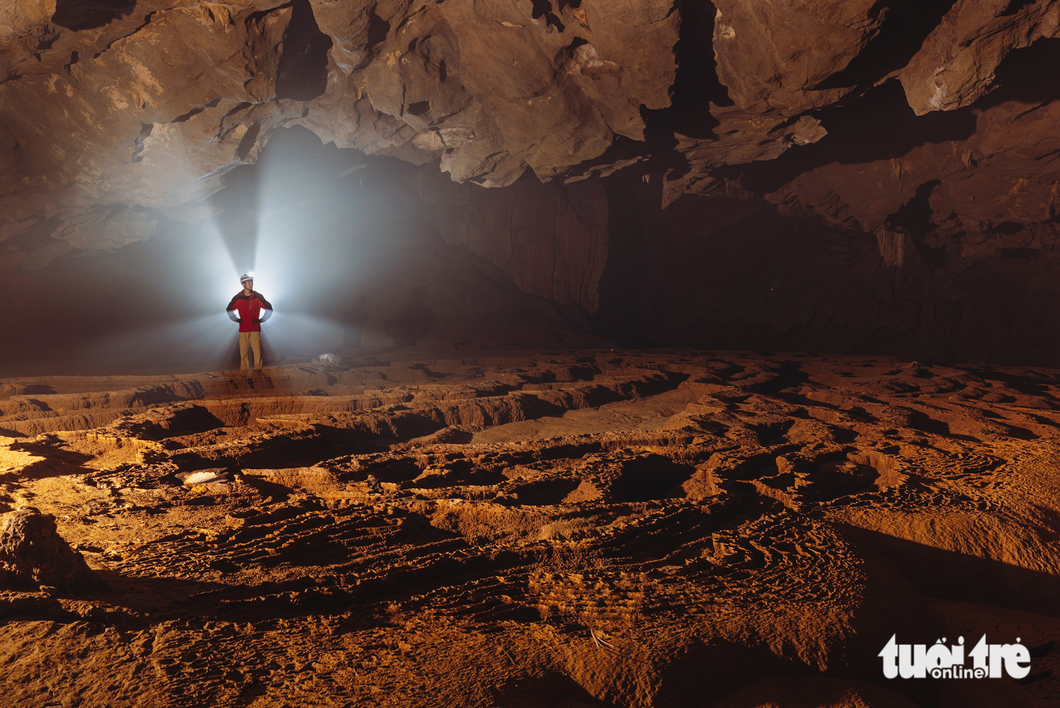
(213, 263)
(300, 242)
(293, 257)
(295, 239)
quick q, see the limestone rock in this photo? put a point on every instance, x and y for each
(956, 64)
(33, 553)
(990, 186)
(550, 239)
(740, 138)
(776, 55)
(114, 116)
(20, 18)
(145, 106)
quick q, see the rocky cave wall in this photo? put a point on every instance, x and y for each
(732, 273)
(835, 175)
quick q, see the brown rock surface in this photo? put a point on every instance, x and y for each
(480, 501)
(922, 128)
(112, 115)
(776, 55)
(550, 239)
(957, 62)
(730, 272)
(517, 528)
(33, 553)
(739, 138)
(984, 179)
(109, 126)
(20, 18)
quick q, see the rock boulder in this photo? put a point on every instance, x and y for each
(32, 553)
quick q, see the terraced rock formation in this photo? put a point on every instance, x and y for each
(593, 528)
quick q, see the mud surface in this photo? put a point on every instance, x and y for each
(598, 528)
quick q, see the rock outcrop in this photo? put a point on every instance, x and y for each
(926, 126)
(32, 553)
(115, 116)
(779, 55)
(958, 61)
(550, 239)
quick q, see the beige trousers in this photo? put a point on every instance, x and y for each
(247, 341)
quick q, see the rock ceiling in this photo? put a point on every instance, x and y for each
(931, 121)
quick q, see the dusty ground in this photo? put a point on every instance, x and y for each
(598, 528)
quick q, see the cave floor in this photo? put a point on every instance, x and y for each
(589, 528)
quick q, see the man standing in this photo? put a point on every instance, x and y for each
(249, 309)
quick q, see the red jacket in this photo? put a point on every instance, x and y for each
(249, 311)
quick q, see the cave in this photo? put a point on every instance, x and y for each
(530, 354)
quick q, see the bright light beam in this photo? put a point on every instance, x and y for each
(299, 259)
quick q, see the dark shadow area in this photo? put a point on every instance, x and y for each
(419, 108)
(548, 689)
(544, 492)
(455, 473)
(842, 436)
(183, 421)
(769, 433)
(184, 117)
(427, 371)
(37, 389)
(723, 273)
(905, 582)
(789, 376)
(412, 322)
(904, 28)
(1019, 433)
(648, 478)
(696, 84)
(138, 145)
(882, 113)
(833, 480)
(90, 14)
(56, 463)
(397, 470)
(275, 493)
(670, 537)
(919, 420)
(914, 218)
(696, 87)
(158, 599)
(280, 452)
(704, 673)
(543, 8)
(302, 71)
(378, 29)
(1035, 384)
(1015, 6)
(32, 607)
(564, 451)
(249, 139)
(621, 300)
(958, 577)
(36, 236)
(1020, 76)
